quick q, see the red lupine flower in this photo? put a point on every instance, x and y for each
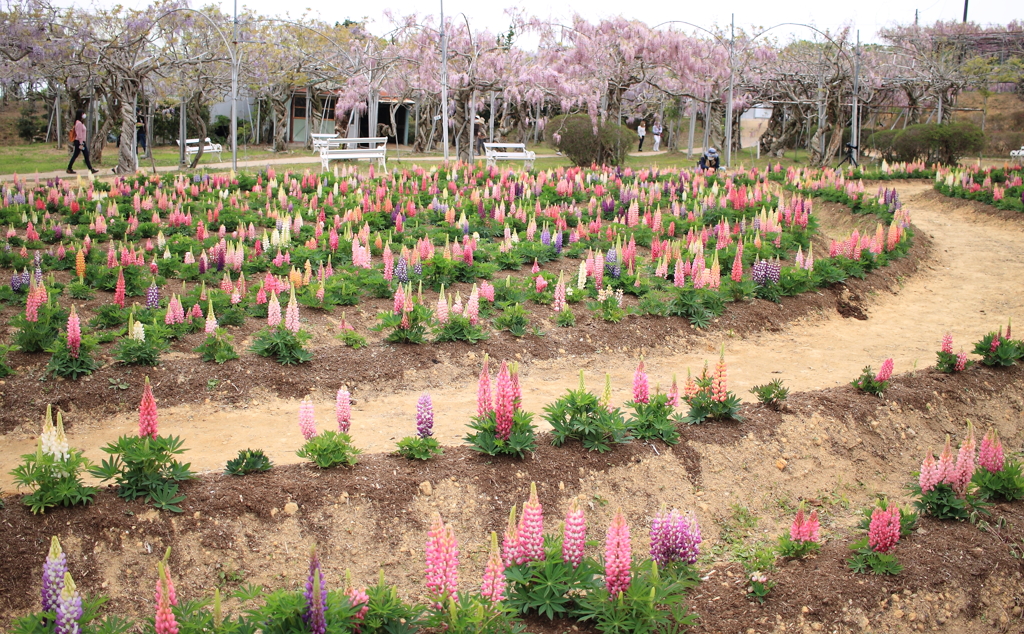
(147, 412)
(884, 530)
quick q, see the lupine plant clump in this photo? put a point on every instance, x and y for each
(998, 349)
(501, 427)
(709, 397)
(54, 471)
(422, 446)
(885, 523)
(875, 383)
(945, 487)
(804, 536)
(328, 448)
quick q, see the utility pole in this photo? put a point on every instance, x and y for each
(821, 110)
(965, 11)
(855, 124)
(728, 105)
(444, 85)
(234, 92)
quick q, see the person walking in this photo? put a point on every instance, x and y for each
(79, 138)
(656, 131)
(641, 131)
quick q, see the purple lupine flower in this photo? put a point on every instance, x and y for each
(153, 296)
(69, 608)
(418, 267)
(424, 416)
(15, 281)
(545, 237)
(558, 242)
(675, 537)
(54, 568)
(402, 270)
(315, 595)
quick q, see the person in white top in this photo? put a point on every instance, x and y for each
(656, 131)
(641, 131)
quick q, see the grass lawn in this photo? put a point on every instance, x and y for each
(38, 157)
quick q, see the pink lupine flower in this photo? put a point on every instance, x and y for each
(493, 586)
(273, 310)
(74, 333)
(536, 268)
(399, 302)
(530, 545)
(211, 320)
(473, 306)
(930, 475)
(483, 392)
(343, 410)
(574, 535)
(805, 528)
(961, 362)
(947, 466)
(617, 556)
(737, 264)
(356, 597)
(884, 530)
(119, 289)
(510, 541)
(147, 412)
(487, 291)
(885, 372)
(719, 392)
(947, 343)
(442, 561)
(165, 622)
(442, 308)
(504, 403)
(641, 387)
(517, 392)
(673, 393)
(540, 283)
(559, 303)
(964, 469)
(34, 300)
(990, 456)
(291, 317)
(307, 421)
(196, 312)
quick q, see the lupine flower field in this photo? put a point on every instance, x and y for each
(483, 400)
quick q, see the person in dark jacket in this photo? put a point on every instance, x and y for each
(709, 160)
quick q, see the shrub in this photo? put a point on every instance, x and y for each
(287, 347)
(53, 473)
(217, 347)
(932, 142)
(882, 142)
(521, 439)
(417, 448)
(330, 449)
(5, 370)
(585, 143)
(772, 394)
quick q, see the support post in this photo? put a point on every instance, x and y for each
(234, 91)
(444, 85)
(693, 128)
(855, 124)
(728, 105)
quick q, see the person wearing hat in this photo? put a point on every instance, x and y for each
(709, 160)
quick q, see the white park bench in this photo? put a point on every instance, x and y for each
(321, 141)
(509, 152)
(1017, 153)
(192, 147)
(348, 148)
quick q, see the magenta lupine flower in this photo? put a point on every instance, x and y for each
(996, 341)
(424, 416)
(805, 528)
(990, 456)
(356, 597)
(343, 410)
(165, 622)
(884, 530)
(510, 541)
(885, 372)
(961, 362)
(273, 311)
(930, 475)
(641, 388)
(574, 535)
(442, 561)
(119, 289)
(675, 537)
(673, 393)
(484, 404)
(617, 556)
(947, 343)
(74, 333)
(69, 608)
(307, 421)
(54, 569)
(517, 391)
(147, 412)
(504, 403)
(291, 317)
(964, 469)
(315, 616)
(530, 545)
(493, 585)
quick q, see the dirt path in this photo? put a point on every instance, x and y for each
(974, 282)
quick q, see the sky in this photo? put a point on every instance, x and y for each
(864, 15)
